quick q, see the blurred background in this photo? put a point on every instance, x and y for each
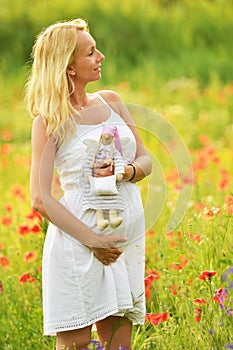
(146, 43)
(152, 48)
(168, 57)
(161, 38)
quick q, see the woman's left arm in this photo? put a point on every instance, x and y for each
(142, 164)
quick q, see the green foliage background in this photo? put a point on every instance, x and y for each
(162, 38)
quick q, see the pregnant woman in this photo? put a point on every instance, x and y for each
(89, 276)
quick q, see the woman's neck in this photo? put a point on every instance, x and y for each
(79, 99)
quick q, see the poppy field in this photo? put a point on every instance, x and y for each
(189, 270)
(182, 103)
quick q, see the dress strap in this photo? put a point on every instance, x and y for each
(102, 99)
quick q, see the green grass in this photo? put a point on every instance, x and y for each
(21, 313)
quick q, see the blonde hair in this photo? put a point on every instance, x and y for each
(49, 86)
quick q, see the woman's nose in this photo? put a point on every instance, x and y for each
(101, 57)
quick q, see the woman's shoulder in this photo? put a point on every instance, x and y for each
(39, 123)
(39, 128)
(113, 99)
(110, 96)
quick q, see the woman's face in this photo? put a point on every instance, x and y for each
(88, 61)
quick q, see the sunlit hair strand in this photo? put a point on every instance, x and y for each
(49, 86)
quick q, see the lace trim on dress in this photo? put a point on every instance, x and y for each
(74, 323)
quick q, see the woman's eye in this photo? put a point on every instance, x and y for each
(91, 53)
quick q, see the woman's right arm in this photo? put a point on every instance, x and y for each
(42, 169)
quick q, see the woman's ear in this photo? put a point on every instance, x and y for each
(71, 71)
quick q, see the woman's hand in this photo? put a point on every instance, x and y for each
(107, 256)
(108, 241)
(103, 169)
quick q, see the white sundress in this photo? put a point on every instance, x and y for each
(78, 290)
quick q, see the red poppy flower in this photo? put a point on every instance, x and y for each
(148, 282)
(209, 213)
(30, 256)
(228, 89)
(4, 261)
(199, 301)
(35, 229)
(172, 244)
(204, 139)
(8, 208)
(207, 275)
(174, 289)
(26, 277)
(199, 206)
(150, 233)
(170, 235)
(179, 235)
(198, 313)
(23, 229)
(195, 238)
(151, 277)
(6, 149)
(155, 319)
(147, 292)
(228, 200)
(215, 160)
(176, 266)
(155, 273)
(34, 215)
(210, 150)
(183, 261)
(179, 266)
(228, 204)
(224, 183)
(6, 135)
(220, 296)
(18, 191)
(7, 220)
(201, 162)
